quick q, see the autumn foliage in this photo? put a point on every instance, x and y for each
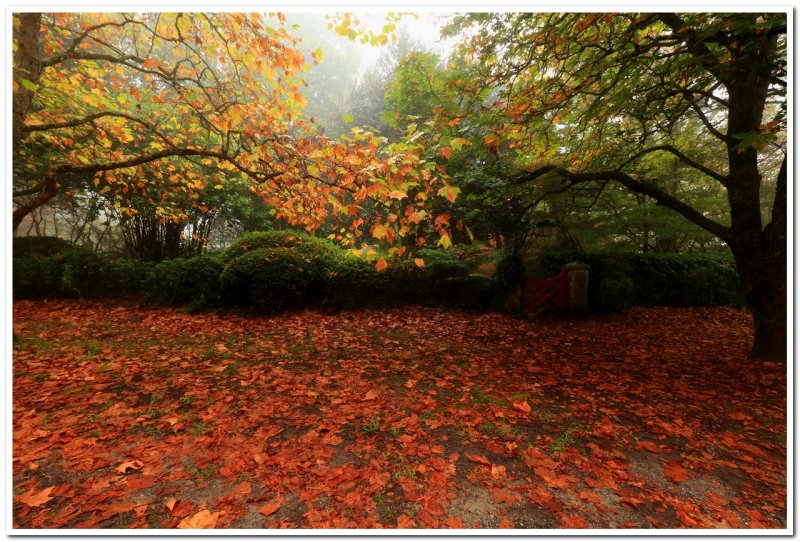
(406, 418)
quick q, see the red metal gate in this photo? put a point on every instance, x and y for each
(541, 294)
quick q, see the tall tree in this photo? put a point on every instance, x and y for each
(585, 98)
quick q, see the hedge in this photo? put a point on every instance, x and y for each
(621, 280)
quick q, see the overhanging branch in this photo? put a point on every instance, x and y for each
(634, 185)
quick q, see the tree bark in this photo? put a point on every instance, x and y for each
(27, 67)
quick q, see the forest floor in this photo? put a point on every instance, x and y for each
(133, 418)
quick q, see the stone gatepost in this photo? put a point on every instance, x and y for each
(577, 288)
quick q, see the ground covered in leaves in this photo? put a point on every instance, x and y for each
(414, 417)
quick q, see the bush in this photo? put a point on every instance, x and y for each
(271, 279)
(193, 282)
(71, 273)
(618, 281)
(129, 277)
(308, 245)
(354, 283)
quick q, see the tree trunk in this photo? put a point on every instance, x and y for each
(764, 282)
(27, 67)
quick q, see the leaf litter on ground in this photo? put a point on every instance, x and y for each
(405, 418)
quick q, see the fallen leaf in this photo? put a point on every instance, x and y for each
(676, 473)
(170, 504)
(405, 522)
(478, 459)
(133, 465)
(522, 407)
(573, 522)
(201, 520)
(35, 498)
(371, 395)
(649, 446)
(272, 506)
(505, 523)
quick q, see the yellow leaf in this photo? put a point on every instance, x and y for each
(379, 232)
(458, 142)
(445, 242)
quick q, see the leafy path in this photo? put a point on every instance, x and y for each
(128, 418)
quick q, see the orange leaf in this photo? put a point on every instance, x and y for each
(201, 520)
(505, 523)
(272, 506)
(125, 465)
(34, 498)
(381, 264)
(419, 262)
(649, 446)
(676, 473)
(371, 394)
(447, 152)
(522, 407)
(405, 522)
(170, 504)
(574, 522)
(501, 496)
(478, 459)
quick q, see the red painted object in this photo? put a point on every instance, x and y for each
(541, 294)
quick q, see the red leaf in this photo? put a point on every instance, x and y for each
(676, 473)
(649, 446)
(573, 522)
(478, 459)
(522, 407)
(501, 496)
(272, 506)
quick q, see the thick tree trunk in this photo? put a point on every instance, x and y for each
(764, 282)
(767, 290)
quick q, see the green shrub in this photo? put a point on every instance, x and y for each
(128, 277)
(271, 279)
(308, 245)
(72, 273)
(354, 283)
(193, 282)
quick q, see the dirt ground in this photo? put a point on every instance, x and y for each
(144, 418)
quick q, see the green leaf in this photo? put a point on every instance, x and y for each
(347, 118)
(457, 142)
(445, 242)
(30, 85)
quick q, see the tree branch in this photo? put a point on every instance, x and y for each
(723, 179)
(634, 185)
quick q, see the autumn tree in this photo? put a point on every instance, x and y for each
(126, 103)
(588, 98)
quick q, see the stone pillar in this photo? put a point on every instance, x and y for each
(577, 288)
